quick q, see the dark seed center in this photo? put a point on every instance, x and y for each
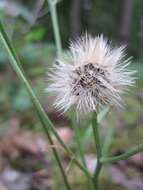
(87, 77)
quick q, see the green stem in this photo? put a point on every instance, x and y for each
(14, 60)
(57, 158)
(98, 150)
(48, 125)
(124, 156)
(54, 18)
(19, 72)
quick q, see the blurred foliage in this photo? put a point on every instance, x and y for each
(99, 17)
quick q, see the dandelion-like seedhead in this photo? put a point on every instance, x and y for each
(96, 75)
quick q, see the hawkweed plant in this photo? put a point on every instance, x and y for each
(94, 75)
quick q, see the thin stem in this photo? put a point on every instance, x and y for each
(14, 59)
(39, 109)
(57, 158)
(124, 156)
(98, 150)
(53, 11)
(96, 136)
(48, 125)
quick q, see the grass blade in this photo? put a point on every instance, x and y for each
(53, 11)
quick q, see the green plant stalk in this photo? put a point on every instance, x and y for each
(57, 158)
(124, 156)
(54, 18)
(14, 60)
(98, 150)
(48, 125)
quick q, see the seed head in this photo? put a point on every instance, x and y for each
(95, 75)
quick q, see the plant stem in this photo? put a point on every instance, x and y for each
(57, 158)
(124, 156)
(14, 60)
(48, 125)
(54, 18)
(98, 150)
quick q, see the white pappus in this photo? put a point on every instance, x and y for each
(96, 75)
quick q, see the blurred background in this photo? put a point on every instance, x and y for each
(26, 161)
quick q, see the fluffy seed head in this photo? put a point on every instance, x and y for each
(95, 75)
